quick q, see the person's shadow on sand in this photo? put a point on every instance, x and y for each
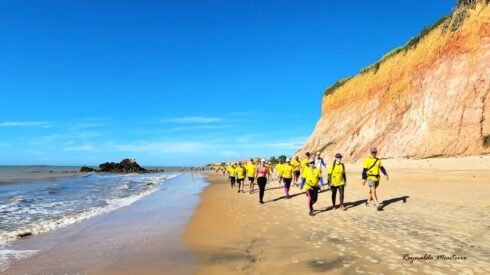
(284, 197)
(350, 205)
(390, 201)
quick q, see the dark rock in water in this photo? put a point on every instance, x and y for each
(86, 169)
(24, 235)
(125, 166)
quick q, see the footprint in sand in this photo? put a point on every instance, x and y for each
(374, 261)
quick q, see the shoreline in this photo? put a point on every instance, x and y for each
(142, 237)
(425, 212)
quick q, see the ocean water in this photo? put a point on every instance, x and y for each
(36, 200)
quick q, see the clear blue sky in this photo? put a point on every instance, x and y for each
(181, 82)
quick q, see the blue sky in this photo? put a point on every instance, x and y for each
(181, 82)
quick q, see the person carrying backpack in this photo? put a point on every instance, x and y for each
(337, 180)
(370, 173)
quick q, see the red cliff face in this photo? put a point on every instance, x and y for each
(428, 98)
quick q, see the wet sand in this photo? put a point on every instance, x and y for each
(434, 207)
(143, 238)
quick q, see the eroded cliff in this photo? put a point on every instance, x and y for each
(427, 98)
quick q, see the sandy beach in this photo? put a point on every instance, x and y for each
(433, 208)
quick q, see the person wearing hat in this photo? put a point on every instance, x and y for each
(337, 180)
(286, 176)
(313, 177)
(371, 174)
(262, 174)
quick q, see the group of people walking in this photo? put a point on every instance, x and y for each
(307, 174)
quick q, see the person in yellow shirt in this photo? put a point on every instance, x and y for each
(279, 172)
(251, 169)
(240, 172)
(286, 176)
(304, 167)
(312, 176)
(296, 164)
(371, 174)
(231, 174)
(337, 180)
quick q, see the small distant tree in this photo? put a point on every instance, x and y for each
(273, 160)
(282, 158)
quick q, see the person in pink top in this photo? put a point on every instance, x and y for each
(262, 174)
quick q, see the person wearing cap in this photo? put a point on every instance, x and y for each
(232, 174)
(296, 170)
(240, 172)
(286, 176)
(313, 177)
(371, 174)
(337, 180)
(251, 168)
(262, 174)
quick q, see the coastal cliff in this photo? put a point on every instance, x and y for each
(427, 98)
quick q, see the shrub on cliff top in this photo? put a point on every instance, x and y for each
(412, 43)
(337, 85)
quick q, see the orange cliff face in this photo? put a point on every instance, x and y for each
(429, 100)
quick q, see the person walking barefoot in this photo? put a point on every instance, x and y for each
(262, 175)
(371, 174)
(337, 180)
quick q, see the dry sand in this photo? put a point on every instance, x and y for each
(433, 206)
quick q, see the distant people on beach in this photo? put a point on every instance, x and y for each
(306, 173)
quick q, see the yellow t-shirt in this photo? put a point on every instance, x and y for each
(240, 171)
(251, 169)
(337, 174)
(373, 173)
(279, 169)
(287, 171)
(303, 166)
(296, 165)
(232, 171)
(312, 177)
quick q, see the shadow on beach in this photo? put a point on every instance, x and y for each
(390, 201)
(350, 205)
